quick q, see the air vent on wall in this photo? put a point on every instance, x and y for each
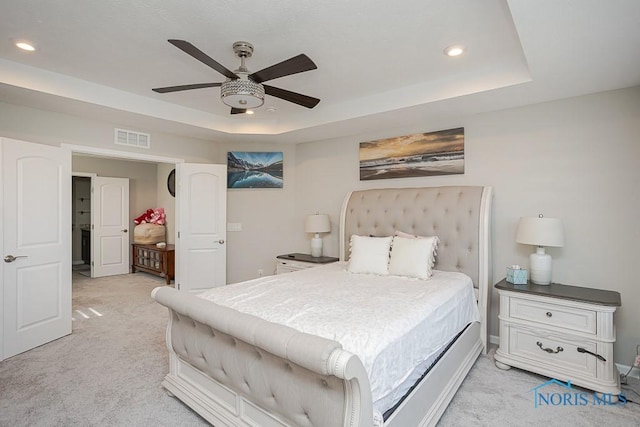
(133, 139)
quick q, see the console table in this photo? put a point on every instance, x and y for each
(154, 260)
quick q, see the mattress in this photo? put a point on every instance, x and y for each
(395, 325)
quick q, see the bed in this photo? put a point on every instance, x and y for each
(235, 368)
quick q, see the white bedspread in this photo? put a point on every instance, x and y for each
(391, 323)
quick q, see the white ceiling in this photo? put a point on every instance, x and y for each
(380, 63)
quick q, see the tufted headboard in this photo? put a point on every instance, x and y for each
(459, 216)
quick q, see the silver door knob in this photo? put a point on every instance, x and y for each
(221, 241)
(11, 258)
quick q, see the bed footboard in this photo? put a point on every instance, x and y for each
(235, 369)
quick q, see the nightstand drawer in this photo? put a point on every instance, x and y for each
(560, 353)
(575, 319)
(293, 265)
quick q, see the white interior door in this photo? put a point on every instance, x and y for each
(201, 217)
(110, 226)
(36, 230)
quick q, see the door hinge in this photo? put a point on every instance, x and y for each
(178, 234)
(91, 263)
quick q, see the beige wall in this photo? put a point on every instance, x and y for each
(575, 159)
(267, 217)
(52, 128)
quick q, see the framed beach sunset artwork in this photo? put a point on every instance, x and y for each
(421, 154)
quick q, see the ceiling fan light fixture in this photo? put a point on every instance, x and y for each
(242, 93)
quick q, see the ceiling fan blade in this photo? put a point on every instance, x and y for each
(238, 110)
(296, 98)
(184, 87)
(295, 65)
(190, 49)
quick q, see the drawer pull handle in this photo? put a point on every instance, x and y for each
(549, 314)
(550, 350)
(584, 350)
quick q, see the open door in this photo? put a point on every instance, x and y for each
(201, 217)
(36, 245)
(110, 226)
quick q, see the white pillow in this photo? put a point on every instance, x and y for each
(413, 257)
(369, 255)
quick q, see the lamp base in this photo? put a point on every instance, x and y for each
(540, 266)
(316, 246)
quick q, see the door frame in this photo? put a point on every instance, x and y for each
(72, 149)
(125, 155)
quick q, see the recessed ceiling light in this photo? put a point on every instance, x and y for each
(249, 112)
(24, 45)
(454, 50)
(271, 110)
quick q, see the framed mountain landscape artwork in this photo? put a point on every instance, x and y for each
(250, 169)
(421, 154)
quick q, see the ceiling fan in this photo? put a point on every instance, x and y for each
(242, 90)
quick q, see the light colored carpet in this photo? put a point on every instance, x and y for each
(84, 269)
(108, 373)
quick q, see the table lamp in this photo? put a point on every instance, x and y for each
(540, 232)
(318, 223)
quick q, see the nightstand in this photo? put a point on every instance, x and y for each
(559, 331)
(293, 262)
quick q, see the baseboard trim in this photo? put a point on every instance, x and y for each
(494, 340)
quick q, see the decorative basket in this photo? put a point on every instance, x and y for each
(149, 233)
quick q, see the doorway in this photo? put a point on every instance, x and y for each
(99, 184)
(37, 175)
(81, 224)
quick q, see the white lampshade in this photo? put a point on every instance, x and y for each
(540, 232)
(318, 223)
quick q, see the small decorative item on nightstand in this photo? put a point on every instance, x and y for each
(517, 275)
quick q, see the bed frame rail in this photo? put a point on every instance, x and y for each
(264, 373)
